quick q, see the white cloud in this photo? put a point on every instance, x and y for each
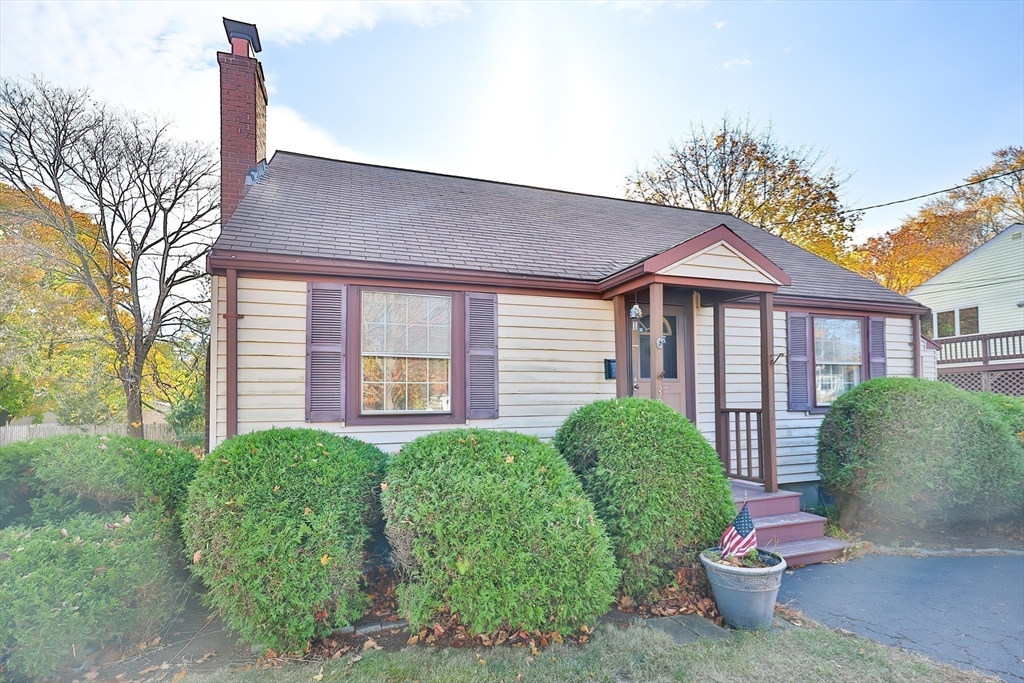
(719, 24)
(286, 129)
(154, 56)
(737, 62)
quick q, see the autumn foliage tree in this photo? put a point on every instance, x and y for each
(748, 173)
(948, 227)
(131, 208)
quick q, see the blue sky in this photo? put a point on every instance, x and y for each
(907, 97)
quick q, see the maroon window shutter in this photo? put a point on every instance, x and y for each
(800, 354)
(325, 352)
(876, 348)
(481, 355)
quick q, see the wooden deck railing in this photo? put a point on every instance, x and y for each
(742, 432)
(981, 348)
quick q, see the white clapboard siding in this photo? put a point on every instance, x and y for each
(551, 353)
(991, 277)
(796, 433)
(929, 364)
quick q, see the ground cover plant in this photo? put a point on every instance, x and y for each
(89, 580)
(493, 526)
(655, 481)
(275, 527)
(919, 451)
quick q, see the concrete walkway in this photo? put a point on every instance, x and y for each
(965, 611)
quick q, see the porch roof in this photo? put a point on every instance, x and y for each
(311, 207)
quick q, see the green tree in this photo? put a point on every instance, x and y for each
(748, 173)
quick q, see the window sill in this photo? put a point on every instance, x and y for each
(406, 419)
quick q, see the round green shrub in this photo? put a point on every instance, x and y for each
(275, 527)
(493, 526)
(91, 581)
(114, 470)
(917, 451)
(656, 482)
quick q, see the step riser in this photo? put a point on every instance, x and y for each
(763, 507)
(812, 558)
(790, 532)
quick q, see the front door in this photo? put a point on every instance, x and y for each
(672, 329)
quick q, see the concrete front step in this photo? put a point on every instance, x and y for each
(809, 551)
(791, 526)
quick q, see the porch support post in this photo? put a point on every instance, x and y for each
(622, 342)
(770, 473)
(231, 323)
(721, 425)
(657, 293)
(918, 366)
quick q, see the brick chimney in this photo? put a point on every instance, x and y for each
(243, 113)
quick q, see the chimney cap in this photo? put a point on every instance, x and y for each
(243, 30)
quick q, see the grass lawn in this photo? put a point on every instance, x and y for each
(634, 654)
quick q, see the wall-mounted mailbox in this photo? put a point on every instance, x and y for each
(609, 368)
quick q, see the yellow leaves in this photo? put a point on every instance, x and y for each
(276, 489)
(509, 458)
(307, 512)
(371, 644)
(325, 559)
(383, 486)
(196, 556)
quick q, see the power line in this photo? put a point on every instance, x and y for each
(908, 199)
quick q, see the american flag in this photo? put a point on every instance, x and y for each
(740, 537)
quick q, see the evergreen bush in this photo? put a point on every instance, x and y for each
(656, 483)
(921, 451)
(91, 580)
(117, 472)
(275, 527)
(493, 526)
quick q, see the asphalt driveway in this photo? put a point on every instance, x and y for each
(966, 611)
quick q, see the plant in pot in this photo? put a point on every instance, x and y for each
(744, 579)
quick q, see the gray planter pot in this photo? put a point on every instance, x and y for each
(745, 596)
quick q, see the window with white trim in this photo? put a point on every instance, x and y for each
(838, 357)
(405, 353)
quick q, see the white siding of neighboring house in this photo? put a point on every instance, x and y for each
(551, 353)
(796, 433)
(991, 278)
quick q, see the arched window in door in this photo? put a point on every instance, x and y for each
(668, 330)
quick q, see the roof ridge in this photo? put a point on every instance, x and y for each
(499, 182)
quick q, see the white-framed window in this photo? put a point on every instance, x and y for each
(405, 352)
(958, 322)
(838, 357)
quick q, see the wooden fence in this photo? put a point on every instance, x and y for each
(158, 431)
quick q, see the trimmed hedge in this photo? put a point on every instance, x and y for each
(18, 481)
(275, 526)
(59, 476)
(918, 451)
(93, 580)
(115, 470)
(656, 482)
(493, 526)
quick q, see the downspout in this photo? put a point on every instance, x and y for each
(231, 320)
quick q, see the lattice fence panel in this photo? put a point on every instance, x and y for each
(971, 381)
(1009, 382)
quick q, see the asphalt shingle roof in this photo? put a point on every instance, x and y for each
(314, 207)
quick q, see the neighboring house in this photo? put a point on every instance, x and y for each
(977, 316)
(385, 303)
